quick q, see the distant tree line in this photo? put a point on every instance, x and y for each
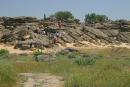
(95, 18)
(91, 18)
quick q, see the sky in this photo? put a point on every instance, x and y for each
(114, 9)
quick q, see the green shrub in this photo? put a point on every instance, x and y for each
(105, 74)
(38, 52)
(7, 74)
(95, 18)
(63, 15)
(4, 53)
(85, 60)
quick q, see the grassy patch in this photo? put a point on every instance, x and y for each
(90, 68)
(4, 53)
(85, 60)
(7, 74)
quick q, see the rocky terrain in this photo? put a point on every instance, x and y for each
(22, 31)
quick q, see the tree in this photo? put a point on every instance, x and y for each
(94, 18)
(102, 18)
(63, 15)
(44, 16)
(90, 18)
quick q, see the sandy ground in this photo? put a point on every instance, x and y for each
(88, 45)
(40, 80)
(83, 45)
(12, 50)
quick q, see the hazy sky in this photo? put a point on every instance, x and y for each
(114, 9)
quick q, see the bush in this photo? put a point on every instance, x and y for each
(7, 74)
(94, 18)
(4, 53)
(63, 15)
(85, 60)
(38, 52)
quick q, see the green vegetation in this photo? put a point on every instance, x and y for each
(63, 15)
(99, 75)
(87, 68)
(38, 52)
(7, 74)
(94, 18)
(4, 53)
(85, 60)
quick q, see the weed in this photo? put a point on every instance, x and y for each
(86, 60)
(38, 52)
(4, 53)
(7, 74)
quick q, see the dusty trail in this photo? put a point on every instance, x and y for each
(41, 80)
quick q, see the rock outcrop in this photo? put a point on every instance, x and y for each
(18, 20)
(22, 32)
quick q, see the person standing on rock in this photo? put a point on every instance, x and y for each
(55, 39)
(37, 30)
(59, 24)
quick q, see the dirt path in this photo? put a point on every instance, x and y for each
(40, 80)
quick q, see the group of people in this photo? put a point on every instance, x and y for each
(54, 36)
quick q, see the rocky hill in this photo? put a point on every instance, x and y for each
(23, 31)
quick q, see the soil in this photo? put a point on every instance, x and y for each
(40, 80)
(59, 47)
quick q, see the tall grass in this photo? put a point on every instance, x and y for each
(7, 74)
(111, 69)
(4, 53)
(103, 74)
